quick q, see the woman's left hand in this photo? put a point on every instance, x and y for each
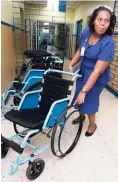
(80, 98)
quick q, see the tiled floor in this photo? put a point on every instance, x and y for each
(94, 159)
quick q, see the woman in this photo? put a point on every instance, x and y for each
(95, 54)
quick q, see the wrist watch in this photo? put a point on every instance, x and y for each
(84, 90)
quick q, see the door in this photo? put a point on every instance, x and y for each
(69, 40)
(79, 32)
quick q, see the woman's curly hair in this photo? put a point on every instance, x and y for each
(111, 27)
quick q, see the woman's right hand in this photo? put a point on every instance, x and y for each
(70, 68)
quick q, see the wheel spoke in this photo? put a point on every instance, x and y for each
(68, 134)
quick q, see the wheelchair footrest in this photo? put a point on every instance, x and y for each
(12, 145)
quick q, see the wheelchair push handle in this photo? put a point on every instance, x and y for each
(75, 75)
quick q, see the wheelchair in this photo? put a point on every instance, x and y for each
(41, 59)
(41, 111)
(32, 81)
(32, 54)
(17, 88)
(46, 60)
(36, 56)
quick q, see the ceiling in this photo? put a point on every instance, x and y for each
(69, 4)
(72, 4)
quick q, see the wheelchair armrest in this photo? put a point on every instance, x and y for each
(30, 100)
(10, 86)
(56, 109)
(4, 99)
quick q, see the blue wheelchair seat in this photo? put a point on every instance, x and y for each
(54, 89)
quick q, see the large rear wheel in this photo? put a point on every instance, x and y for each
(65, 135)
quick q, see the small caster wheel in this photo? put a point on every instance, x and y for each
(4, 150)
(35, 169)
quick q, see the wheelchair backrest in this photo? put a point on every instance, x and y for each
(54, 88)
(32, 73)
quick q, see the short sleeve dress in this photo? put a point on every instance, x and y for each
(103, 50)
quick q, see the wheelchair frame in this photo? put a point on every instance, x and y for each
(28, 81)
(24, 142)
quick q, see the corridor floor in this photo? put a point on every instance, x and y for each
(94, 159)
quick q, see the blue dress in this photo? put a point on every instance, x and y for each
(103, 50)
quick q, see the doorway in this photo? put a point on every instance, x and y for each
(79, 32)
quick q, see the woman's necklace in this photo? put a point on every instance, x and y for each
(94, 41)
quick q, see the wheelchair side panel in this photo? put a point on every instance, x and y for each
(58, 109)
(30, 82)
(34, 72)
(30, 101)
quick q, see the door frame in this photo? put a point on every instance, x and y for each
(77, 22)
